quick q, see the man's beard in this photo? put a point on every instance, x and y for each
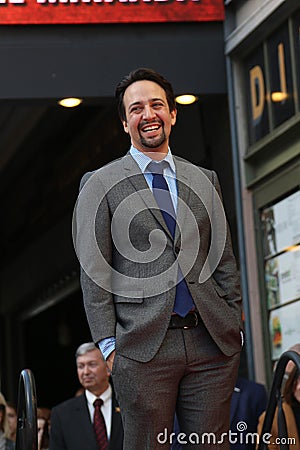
(153, 143)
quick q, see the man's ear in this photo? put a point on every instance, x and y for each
(125, 126)
(173, 116)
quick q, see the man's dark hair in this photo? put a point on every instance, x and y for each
(139, 75)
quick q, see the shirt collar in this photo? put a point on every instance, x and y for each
(105, 396)
(143, 160)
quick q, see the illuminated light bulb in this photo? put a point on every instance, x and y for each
(279, 96)
(186, 99)
(70, 102)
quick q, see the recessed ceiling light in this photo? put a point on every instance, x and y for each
(186, 99)
(70, 102)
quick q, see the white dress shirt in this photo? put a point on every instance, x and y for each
(106, 408)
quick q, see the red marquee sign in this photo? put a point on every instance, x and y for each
(25, 12)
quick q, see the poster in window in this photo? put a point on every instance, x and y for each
(281, 225)
(282, 276)
(284, 327)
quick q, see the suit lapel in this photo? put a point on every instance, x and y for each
(137, 179)
(116, 435)
(82, 420)
(183, 183)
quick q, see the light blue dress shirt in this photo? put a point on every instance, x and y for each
(108, 345)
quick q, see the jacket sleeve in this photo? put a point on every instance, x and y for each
(93, 242)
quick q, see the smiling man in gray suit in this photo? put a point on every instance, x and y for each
(159, 279)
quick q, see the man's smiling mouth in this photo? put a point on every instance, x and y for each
(150, 128)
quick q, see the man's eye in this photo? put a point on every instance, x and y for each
(157, 105)
(93, 365)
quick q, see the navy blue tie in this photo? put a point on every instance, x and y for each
(183, 299)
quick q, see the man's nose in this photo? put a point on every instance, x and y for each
(149, 112)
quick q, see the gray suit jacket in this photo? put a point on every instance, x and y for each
(133, 300)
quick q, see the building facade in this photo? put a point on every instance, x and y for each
(262, 52)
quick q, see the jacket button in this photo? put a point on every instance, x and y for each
(171, 283)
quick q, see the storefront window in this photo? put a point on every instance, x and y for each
(280, 224)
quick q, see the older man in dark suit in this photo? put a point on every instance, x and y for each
(159, 279)
(73, 421)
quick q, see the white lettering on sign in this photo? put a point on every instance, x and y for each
(100, 1)
(13, 2)
(22, 2)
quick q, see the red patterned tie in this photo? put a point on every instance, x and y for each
(99, 425)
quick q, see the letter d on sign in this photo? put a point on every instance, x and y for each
(257, 89)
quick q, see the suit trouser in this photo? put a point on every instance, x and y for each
(189, 374)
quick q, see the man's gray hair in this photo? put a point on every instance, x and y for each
(85, 348)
